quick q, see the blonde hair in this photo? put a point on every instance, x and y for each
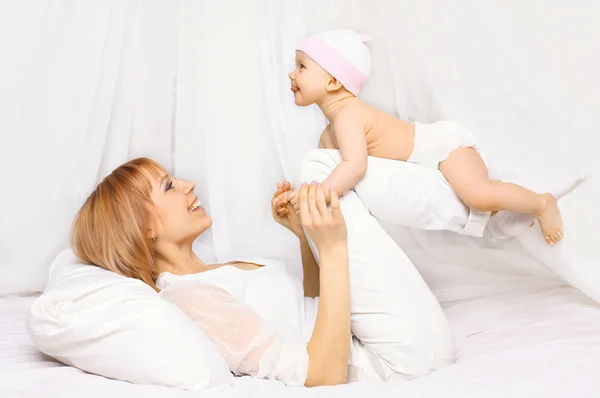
(111, 230)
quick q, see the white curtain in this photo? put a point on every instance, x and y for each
(202, 87)
(84, 86)
(524, 77)
(238, 131)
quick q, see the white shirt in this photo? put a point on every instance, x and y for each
(259, 319)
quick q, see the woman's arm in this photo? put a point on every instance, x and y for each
(286, 215)
(329, 345)
(310, 269)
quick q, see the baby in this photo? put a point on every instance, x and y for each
(331, 69)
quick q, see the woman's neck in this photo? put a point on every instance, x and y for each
(334, 103)
(178, 260)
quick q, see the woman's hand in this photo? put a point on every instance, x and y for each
(326, 228)
(283, 212)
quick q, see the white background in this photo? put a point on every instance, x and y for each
(201, 86)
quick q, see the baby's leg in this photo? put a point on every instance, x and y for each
(467, 174)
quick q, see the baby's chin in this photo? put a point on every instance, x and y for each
(300, 102)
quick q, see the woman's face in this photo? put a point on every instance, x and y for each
(179, 217)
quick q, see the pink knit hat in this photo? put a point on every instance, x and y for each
(342, 53)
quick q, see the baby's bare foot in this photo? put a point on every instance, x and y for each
(550, 220)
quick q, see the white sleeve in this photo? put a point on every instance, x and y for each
(248, 345)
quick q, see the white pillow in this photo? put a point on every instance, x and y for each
(120, 328)
(412, 195)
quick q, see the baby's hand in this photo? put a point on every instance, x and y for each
(280, 198)
(284, 198)
(292, 197)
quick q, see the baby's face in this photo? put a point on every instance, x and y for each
(309, 81)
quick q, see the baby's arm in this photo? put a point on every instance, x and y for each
(350, 134)
(352, 143)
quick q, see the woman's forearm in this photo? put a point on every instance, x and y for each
(329, 346)
(310, 269)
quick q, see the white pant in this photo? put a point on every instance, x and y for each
(395, 316)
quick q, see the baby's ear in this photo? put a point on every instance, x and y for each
(333, 84)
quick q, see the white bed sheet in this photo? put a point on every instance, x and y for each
(540, 339)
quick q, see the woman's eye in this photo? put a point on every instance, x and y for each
(170, 186)
(302, 66)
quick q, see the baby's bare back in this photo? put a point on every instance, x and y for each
(387, 136)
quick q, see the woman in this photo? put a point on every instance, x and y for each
(141, 222)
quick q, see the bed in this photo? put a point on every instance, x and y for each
(534, 338)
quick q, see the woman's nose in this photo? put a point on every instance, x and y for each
(291, 75)
(187, 186)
